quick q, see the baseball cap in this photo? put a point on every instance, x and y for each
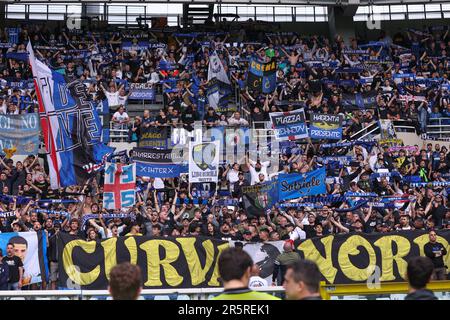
(247, 232)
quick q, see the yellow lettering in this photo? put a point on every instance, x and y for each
(388, 257)
(109, 249)
(325, 264)
(130, 243)
(73, 272)
(154, 263)
(198, 274)
(350, 247)
(215, 276)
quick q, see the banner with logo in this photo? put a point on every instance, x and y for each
(20, 132)
(258, 198)
(154, 137)
(159, 163)
(204, 161)
(219, 85)
(262, 76)
(141, 91)
(289, 125)
(296, 185)
(31, 248)
(119, 187)
(325, 126)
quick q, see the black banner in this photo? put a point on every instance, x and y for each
(168, 156)
(154, 137)
(183, 262)
(188, 262)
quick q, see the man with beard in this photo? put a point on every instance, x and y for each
(257, 168)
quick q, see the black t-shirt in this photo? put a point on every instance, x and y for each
(430, 251)
(438, 214)
(14, 263)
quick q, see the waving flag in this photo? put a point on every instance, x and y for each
(70, 125)
(119, 188)
(219, 86)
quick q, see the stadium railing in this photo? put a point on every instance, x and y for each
(358, 291)
(439, 127)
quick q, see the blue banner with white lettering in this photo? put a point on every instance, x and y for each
(20, 132)
(296, 185)
(141, 91)
(325, 126)
(289, 125)
(159, 163)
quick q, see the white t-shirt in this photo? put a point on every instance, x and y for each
(233, 176)
(120, 117)
(297, 233)
(113, 98)
(257, 282)
(255, 174)
(108, 231)
(122, 99)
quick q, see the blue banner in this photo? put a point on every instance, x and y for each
(289, 125)
(20, 132)
(325, 126)
(159, 163)
(296, 185)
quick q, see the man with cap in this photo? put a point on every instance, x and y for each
(288, 257)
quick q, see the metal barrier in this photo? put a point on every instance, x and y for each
(327, 291)
(146, 294)
(439, 127)
(384, 288)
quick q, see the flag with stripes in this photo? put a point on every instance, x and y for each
(70, 125)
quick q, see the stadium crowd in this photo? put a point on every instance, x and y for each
(401, 78)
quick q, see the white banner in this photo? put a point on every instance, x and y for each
(204, 161)
(216, 69)
(263, 255)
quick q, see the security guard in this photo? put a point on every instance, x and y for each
(235, 267)
(285, 259)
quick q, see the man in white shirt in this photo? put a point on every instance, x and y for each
(107, 232)
(255, 280)
(112, 95)
(120, 118)
(232, 173)
(257, 168)
(236, 120)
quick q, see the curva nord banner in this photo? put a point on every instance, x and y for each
(165, 262)
(358, 257)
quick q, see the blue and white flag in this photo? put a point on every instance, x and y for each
(289, 125)
(296, 185)
(70, 125)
